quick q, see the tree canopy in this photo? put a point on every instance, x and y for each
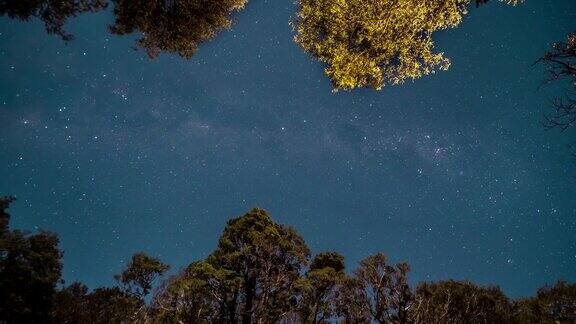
(368, 43)
(173, 26)
(459, 302)
(260, 272)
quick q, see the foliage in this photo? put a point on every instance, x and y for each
(200, 294)
(382, 290)
(30, 268)
(266, 258)
(140, 273)
(368, 43)
(256, 274)
(54, 13)
(459, 302)
(314, 293)
(173, 26)
(552, 304)
(104, 305)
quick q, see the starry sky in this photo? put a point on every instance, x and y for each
(453, 173)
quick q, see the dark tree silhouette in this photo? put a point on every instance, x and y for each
(552, 304)
(560, 62)
(30, 268)
(54, 13)
(4, 216)
(174, 26)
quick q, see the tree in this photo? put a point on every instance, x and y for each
(560, 62)
(54, 13)
(368, 43)
(140, 274)
(350, 302)
(30, 267)
(250, 277)
(70, 304)
(552, 304)
(174, 26)
(459, 302)
(316, 290)
(137, 280)
(266, 258)
(380, 290)
(201, 294)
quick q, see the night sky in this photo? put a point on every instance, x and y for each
(453, 173)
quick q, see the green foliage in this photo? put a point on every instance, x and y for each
(367, 43)
(173, 26)
(266, 258)
(200, 294)
(256, 274)
(314, 293)
(140, 274)
(54, 13)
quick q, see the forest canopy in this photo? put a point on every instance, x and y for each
(375, 43)
(260, 272)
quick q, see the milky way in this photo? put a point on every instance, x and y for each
(453, 173)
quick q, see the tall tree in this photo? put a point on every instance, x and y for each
(54, 13)
(350, 302)
(367, 43)
(174, 26)
(267, 258)
(138, 278)
(315, 291)
(380, 290)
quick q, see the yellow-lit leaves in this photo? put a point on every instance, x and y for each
(372, 43)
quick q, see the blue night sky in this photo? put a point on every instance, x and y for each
(453, 173)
